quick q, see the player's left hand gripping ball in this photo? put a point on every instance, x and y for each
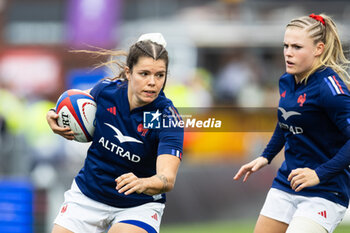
(77, 109)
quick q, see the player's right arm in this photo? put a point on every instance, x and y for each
(251, 167)
(275, 145)
(52, 117)
(163, 181)
(65, 132)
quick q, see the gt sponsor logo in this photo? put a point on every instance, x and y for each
(286, 114)
(122, 138)
(291, 128)
(114, 148)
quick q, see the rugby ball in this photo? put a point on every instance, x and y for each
(76, 109)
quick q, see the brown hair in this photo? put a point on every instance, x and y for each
(144, 48)
(333, 54)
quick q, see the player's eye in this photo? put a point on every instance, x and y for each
(160, 75)
(144, 73)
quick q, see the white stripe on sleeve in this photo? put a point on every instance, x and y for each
(334, 85)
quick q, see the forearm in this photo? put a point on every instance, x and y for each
(163, 181)
(335, 165)
(158, 184)
(275, 145)
(338, 163)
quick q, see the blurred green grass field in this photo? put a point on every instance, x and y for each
(225, 227)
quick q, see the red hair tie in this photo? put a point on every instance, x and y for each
(318, 18)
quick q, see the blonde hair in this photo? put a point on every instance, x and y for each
(333, 54)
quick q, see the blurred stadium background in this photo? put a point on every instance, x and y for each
(225, 54)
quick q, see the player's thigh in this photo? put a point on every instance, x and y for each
(59, 229)
(147, 216)
(126, 228)
(266, 224)
(320, 211)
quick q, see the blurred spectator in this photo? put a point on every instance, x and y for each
(11, 108)
(251, 95)
(195, 93)
(3, 134)
(200, 85)
(234, 76)
(2, 126)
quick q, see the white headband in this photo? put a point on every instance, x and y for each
(154, 37)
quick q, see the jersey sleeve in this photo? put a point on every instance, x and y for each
(275, 144)
(335, 99)
(171, 138)
(95, 91)
(338, 163)
(98, 87)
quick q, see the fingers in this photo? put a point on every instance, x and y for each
(301, 178)
(128, 189)
(300, 187)
(243, 171)
(51, 118)
(68, 134)
(65, 132)
(246, 176)
(250, 168)
(256, 167)
(293, 173)
(240, 173)
(123, 180)
(128, 183)
(295, 178)
(298, 183)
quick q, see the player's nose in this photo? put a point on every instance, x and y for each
(152, 80)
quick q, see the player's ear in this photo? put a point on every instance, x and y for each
(127, 72)
(319, 49)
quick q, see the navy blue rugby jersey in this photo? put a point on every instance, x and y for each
(312, 124)
(121, 145)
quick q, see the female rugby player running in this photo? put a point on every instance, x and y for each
(128, 168)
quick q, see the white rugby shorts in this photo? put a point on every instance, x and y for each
(81, 214)
(283, 206)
